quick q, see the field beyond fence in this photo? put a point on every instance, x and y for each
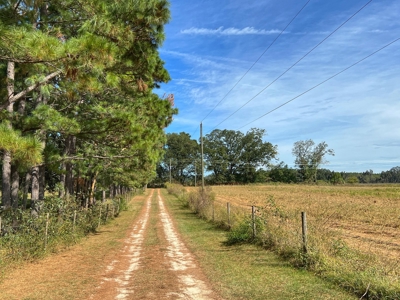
(352, 232)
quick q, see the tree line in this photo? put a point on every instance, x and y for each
(77, 108)
(233, 157)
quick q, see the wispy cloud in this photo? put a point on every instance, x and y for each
(229, 31)
(355, 112)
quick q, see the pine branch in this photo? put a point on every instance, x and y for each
(27, 60)
(17, 5)
(62, 22)
(29, 89)
(98, 157)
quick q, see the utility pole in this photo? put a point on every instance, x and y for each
(202, 160)
(170, 177)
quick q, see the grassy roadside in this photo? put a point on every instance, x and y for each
(73, 273)
(245, 271)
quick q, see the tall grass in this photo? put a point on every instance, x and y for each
(59, 225)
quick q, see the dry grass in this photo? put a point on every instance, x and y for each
(354, 231)
(367, 216)
(72, 273)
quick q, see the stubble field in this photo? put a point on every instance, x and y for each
(353, 231)
(366, 217)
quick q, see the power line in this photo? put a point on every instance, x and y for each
(251, 67)
(304, 56)
(333, 76)
(258, 59)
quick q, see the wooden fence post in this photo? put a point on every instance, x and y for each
(228, 209)
(304, 230)
(0, 225)
(253, 219)
(46, 231)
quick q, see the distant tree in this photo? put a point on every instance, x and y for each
(309, 157)
(391, 176)
(181, 153)
(336, 178)
(235, 157)
(222, 151)
(282, 173)
(261, 176)
(352, 179)
(324, 174)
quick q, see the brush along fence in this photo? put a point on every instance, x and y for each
(23, 236)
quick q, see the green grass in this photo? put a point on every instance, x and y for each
(152, 236)
(246, 271)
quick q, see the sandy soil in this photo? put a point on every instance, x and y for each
(154, 270)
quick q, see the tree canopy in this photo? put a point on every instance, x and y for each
(233, 156)
(308, 157)
(78, 80)
(182, 154)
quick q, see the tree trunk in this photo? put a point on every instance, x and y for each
(111, 191)
(14, 186)
(61, 192)
(69, 183)
(26, 189)
(92, 188)
(116, 190)
(6, 179)
(35, 204)
(63, 182)
(42, 182)
(103, 199)
(38, 178)
(70, 143)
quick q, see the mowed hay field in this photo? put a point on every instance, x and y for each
(368, 217)
(353, 231)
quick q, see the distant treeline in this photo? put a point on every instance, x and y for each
(282, 173)
(233, 157)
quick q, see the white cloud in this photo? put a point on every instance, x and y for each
(230, 31)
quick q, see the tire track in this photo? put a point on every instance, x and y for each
(154, 263)
(181, 261)
(119, 273)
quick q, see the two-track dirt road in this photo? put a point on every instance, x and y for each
(154, 263)
(140, 255)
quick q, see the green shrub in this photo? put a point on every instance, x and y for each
(242, 232)
(175, 189)
(201, 201)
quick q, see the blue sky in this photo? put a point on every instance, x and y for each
(211, 44)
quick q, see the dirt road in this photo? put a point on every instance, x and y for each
(154, 263)
(139, 255)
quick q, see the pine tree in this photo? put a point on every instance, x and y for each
(83, 79)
